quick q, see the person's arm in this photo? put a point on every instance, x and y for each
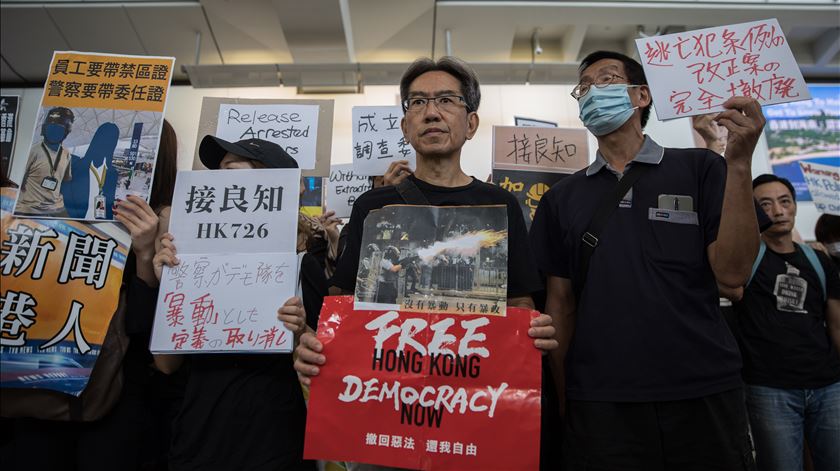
(732, 253)
(832, 319)
(142, 222)
(166, 255)
(542, 328)
(732, 294)
(710, 132)
(396, 173)
(560, 305)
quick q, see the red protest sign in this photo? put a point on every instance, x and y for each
(425, 391)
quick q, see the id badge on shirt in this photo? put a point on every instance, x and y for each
(49, 183)
(99, 207)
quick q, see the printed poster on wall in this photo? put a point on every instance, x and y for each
(8, 130)
(344, 187)
(60, 288)
(823, 185)
(804, 132)
(695, 72)
(378, 140)
(437, 391)
(532, 123)
(235, 232)
(528, 187)
(96, 135)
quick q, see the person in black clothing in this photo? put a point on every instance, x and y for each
(788, 328)
(244, 411)
(649, 369)
(827, 232)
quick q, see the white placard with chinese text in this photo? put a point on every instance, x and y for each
(344, 187)
(824, 185)
(291, 126)
(224, 303)
(695, 72)
(378, 139)
(235, 211)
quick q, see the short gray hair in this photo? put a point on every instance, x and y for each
(452, 66)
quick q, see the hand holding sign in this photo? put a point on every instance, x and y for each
(744, 121)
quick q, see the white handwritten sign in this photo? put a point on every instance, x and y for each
(562, 150)
(343, 189)
(378, 139)
(293, 127)
(235, 211)
(824, 185)
(695, 72)
(224, 303)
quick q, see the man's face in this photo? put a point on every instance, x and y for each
(777, 202)
(605, 69)
(235, 162)
(53, 133)
(431, 130)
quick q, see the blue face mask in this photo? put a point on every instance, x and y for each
(603, 110)
(54, 133)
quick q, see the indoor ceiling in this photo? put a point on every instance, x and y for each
(330, 44)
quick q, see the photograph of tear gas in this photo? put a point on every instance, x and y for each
(82, 160)
(434, 259)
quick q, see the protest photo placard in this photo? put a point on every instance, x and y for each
(695, 72)
(532, 123)
(540, 149)
(528, 187)
(236, 234)
(805, 131)
(436, 391)
(96, 135)
(312, 198)
(344, 187)
(378, 140)
(434, 259)
(824, 185)
(303, 128)
(8, 130)
(60, 288)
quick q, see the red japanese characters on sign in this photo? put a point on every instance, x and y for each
(436, 391)
(695, 72)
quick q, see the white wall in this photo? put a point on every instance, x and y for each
(499, 105)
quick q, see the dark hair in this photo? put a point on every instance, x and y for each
(452, 66)
(827, 229)
(166, 168)
(634, 71)
(770, 178)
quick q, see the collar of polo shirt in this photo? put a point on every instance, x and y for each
(650, 153)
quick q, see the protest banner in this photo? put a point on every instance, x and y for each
(60, 288)
(8, 130)
(236, 233)
(429, 258)
(695, 72)
(528, 187)
(806, 131)
(344, 187)
(436, 391)
(532, 123)
(96, 135)
(312, 199)
(378, 140)
(540, 149)
(824, 185)
(301, 127)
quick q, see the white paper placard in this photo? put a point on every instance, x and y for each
(695, 72)
(293, 127)
(344, 187)
(824, 185)
(378, 139)
(235, 211)
(224, 303)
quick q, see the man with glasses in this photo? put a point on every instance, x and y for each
(652, 373)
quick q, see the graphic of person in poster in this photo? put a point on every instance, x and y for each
(91, 192)
(47, 168)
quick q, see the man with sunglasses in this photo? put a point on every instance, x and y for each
(652, 373)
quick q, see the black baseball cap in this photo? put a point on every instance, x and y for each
(61, 116)
(213, 149)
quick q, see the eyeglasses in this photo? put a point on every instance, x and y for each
(582, 89)
(449, 103)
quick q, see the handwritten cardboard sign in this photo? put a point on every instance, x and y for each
(824, 185)
(695, 72)
(224, 303)
(436, 390)
(543, 149)
(235, 211)
(344, 187)
(378, 139)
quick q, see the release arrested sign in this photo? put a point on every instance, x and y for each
(695, 72)
(344, 187)
(378, 140)
(435, 390)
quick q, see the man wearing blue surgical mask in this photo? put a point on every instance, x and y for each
(633, 248)
(47, 167)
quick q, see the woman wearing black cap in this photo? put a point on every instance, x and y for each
(243, 411)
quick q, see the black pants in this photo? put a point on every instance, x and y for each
(706, 433)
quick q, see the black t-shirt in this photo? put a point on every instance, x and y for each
(246, 411)
(780, 323)
(648, 325)
(522, 273)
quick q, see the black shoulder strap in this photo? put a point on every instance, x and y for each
(606, 206)
(411, 194)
